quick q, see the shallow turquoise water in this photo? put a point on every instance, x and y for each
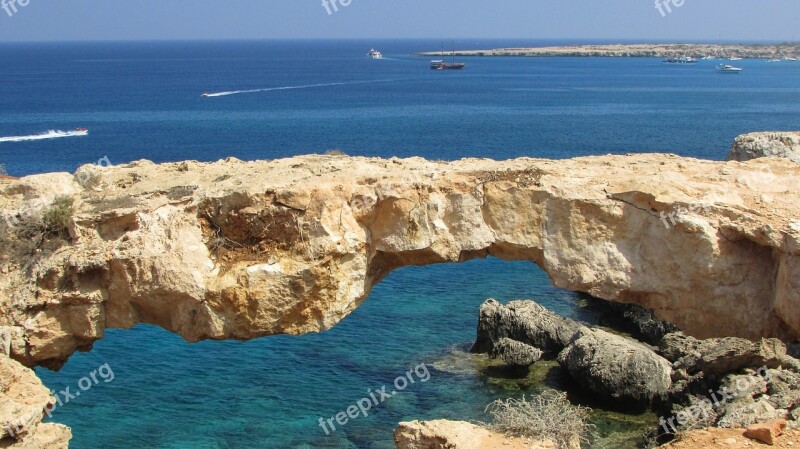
(271, 392)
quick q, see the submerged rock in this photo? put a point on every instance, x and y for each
(616, 367)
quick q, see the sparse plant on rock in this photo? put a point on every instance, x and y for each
(548, 416)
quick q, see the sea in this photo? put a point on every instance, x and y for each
(274, 99)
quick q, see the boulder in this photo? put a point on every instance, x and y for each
(516, 353)
(639, 321)
(766, 144)
(526, 322)
(616, 368)
(721, 356)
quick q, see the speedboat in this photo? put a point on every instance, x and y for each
(375, 54)
(681, 60)
(725, 68)
(81, 130)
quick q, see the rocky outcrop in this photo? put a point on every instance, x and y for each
(248, 249)
(23, 403)
(766, 144)
(443, 434)
(523, 321)
(616, 368)
(719, 356)
(516, 353)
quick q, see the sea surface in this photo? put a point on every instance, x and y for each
(283, 98)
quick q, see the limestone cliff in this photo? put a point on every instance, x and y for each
(241, 250)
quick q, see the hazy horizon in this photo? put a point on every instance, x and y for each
(160, 20)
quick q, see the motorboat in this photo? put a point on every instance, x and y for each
(681, 60)
(375, 54)
(725, 68)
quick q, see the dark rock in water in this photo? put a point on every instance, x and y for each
(616, 367)
(639, 321)
(526, 322)
(720, 356)
(516, 353)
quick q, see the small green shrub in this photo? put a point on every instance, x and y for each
(52, 223)
(548, 416)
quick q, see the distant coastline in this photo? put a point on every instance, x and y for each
(769, 51)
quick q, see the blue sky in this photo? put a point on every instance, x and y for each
(740, 20)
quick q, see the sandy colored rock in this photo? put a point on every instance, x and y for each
(731, 439)
(457, 435)
(239, 250)
(43, 436)
(766, 144)
(767, 432)
(23, 400)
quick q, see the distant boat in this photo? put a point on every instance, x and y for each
(789, 59)
(375, 54)
(773, 60)
(706, 58)
(81, 131)
(440, 64)
(681, 60)
(725, 68)
(735, 58)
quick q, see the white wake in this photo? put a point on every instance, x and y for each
(307, 86)
(52, 134)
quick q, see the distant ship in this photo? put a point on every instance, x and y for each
(681, 60)
(725, 68)
(440, 64)
(735, 58)
(375, 54)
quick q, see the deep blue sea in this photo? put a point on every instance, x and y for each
(144, 100)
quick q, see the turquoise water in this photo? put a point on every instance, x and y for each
(144, 101)
(271, 392)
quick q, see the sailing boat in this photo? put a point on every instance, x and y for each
(440, 64)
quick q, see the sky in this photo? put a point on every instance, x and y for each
(674, 20)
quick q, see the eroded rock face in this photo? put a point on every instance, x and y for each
(23, 401)
(248, 249)
(766, 144)
(616, 367)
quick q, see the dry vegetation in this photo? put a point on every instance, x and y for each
(548, 416)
